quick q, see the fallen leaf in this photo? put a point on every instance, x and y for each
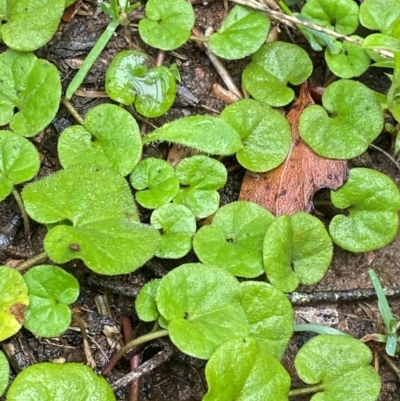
(290, 187)
(71, 10)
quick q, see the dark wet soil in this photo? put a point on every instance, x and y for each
(181, 378)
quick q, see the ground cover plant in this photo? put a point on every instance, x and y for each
(228, 305)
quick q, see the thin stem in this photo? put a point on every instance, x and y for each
(73, 111)
(41, 257)
(391, 363)
(200, 39)
(307, 390)
(27, 228)
(389, 156)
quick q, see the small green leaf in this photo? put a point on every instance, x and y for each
(4, 373)
(202, 303)
(130, 78)
(349, 121)
(265, 134)
(270, 316)
(241, 34)
(101, 142)
(156, 181)
(201, 202)
(13, 301)
(168, 23)
(205, 133)
(379, 15)
(19, 161)
(178, 225)
(50, 289)
(59, 382)
(341, 363)
(297, 249)
(241, 369)
(274, 66)
(381, 41)
(235, 238)
(27, 85)
(145, 304)
(373, 201)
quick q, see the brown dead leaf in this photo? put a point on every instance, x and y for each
(18, 310)
(289, 188)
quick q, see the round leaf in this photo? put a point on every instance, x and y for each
(13, 301)
(202, 304)
(59, 382)
(110, 138)
(241, 369)
(234, 239)
(202, 202)
(51, 289)
(145, 304)
(350, 120)
(373, 201)
(241, 34)
(265, 134)
(4, 373)
(341, 363)
(168, 23)
(297, 249)
(274, 66)
(379, 15)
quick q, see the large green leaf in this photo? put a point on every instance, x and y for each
(4, 373)
(379, 15)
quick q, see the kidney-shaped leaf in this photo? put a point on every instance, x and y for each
(31, 87)
(379, 15)
(145, 304)
(341, 363)
(373, 201)
(349, 121)
(4, 373)
(59, 382)
(202, 304)
(274, 66)
(110, 138)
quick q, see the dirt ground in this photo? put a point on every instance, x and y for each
(182, 377)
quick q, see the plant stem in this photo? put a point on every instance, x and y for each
(73, 111)
(306, 390)
(200, 39)
(394, 367)
(27, 228)
(41, 257)
(389, 156)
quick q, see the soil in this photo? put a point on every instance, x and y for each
(182, 377)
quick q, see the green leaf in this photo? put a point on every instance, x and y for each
(241, 369)
(130, 78)
(265, 134)
(19, 161)
(27, 85)
(297, 250)
(270, 316)
(30, 24)
(13, 301)
(373, 201)
(168, 23)
(242, 33)
(201, 202)
(379, 15)
(338, 15)
(381, 41)
(235, 238)
(50, 289)
(202, 304)
(156, 181)
(349, 121)
(4, 373)
(274, 66)
(342, 365)
(178, 225)
(101, 142)
(205, 133)
(145, 304)
(59, 382)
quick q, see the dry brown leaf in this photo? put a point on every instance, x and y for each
(289, 188)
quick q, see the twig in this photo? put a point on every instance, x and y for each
(41, 257)
(86, 348)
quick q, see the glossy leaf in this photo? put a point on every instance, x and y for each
(167, 24)
(205, 133)
(28, 85)
(110, 138)
(241, 369)
(4, 373)
(241, 34)
(373, 202)
(145, 304)
(50, 289)
(155, 181)
(130, 78)
(201, 202)
(379, 15)
(272, 68)
(265, 134)
(178, 225)
(59, 382)
(349, 121)
(19, 161)
(341, 363)
(202, 304)
(297, 250)
(13, 301)
(234, 240)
